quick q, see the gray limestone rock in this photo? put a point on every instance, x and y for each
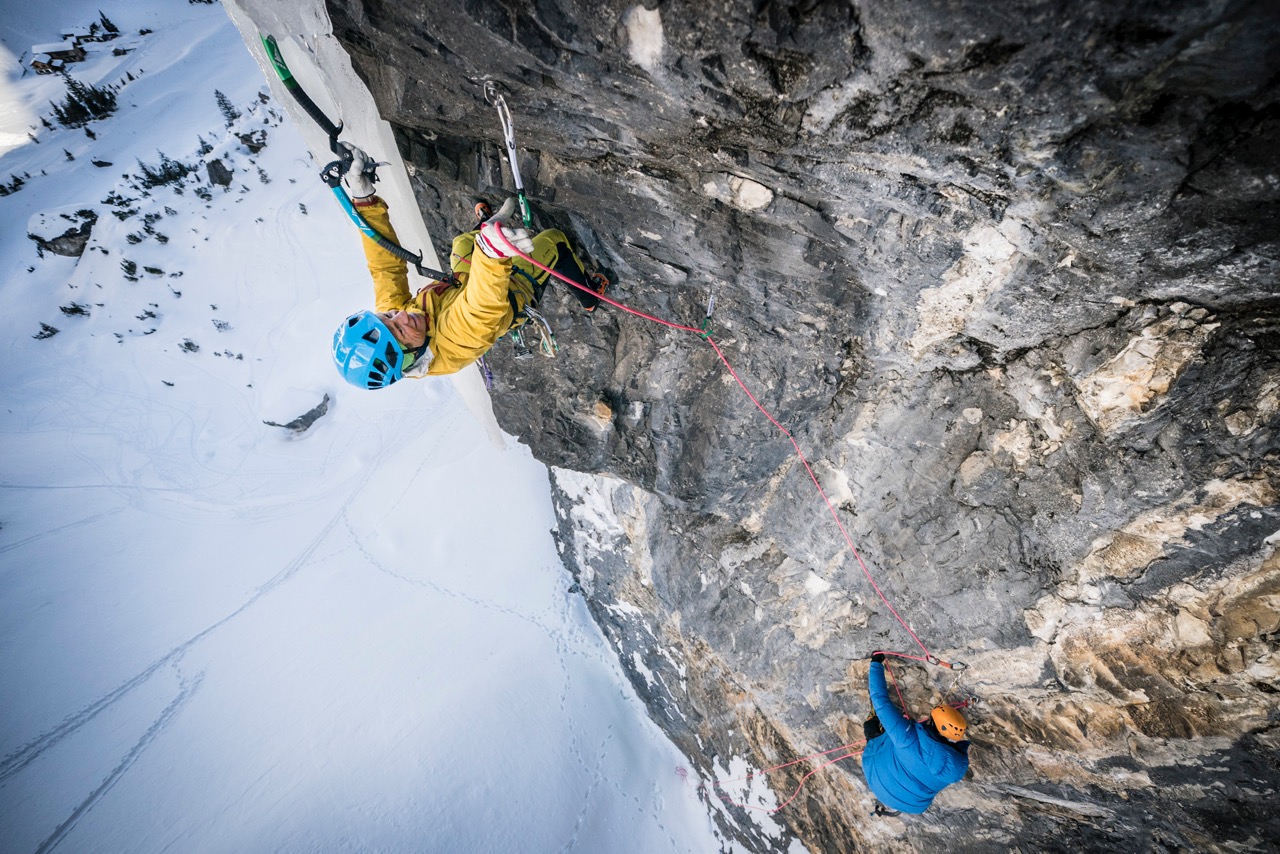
(219, 173)
(1009, 276)
(303, 422)
(70, 243)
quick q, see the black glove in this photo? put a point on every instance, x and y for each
(878, 657)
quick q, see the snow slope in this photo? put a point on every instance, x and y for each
(216, 635)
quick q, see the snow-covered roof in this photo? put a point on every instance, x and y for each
(54, 47)
(44, 57)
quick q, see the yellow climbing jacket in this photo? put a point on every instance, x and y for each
(527, 281)
(464, 322)
(466, 319)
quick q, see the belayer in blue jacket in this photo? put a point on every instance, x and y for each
(905, 762)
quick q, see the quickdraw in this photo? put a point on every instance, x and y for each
(542, 327)
(493, 97)
(705, 332)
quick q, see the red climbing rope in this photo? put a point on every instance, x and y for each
(906, 710)
(706, 336)
(858, 744)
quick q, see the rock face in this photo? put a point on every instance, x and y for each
(219, 173)
(1009, 274)
(51, 231)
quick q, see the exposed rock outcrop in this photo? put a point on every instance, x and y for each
(1009, 273)
(63, 232)
(219, 173)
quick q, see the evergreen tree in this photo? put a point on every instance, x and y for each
(229, 112)
(72, 112)
(167, 171)
(107, 25)
(70, 156)
(83, 103)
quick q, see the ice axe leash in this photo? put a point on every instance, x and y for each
(495, 98)
(333, 172)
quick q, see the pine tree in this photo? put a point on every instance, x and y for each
(70, 156)
(167, 171)
(107, 25)
(229, 112)
(73, 112)
(83, 103)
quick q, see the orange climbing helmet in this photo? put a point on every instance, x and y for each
(949, 722)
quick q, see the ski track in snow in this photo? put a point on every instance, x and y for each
(188, 690)
(30, 752)
(88, 520)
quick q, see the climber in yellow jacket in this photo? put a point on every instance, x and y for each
(448, 325)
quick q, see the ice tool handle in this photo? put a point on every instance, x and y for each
(332, 173)
(304, 100)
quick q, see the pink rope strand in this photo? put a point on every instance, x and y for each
(800, 453)
(858, 744)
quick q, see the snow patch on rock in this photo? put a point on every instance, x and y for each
(644, 37)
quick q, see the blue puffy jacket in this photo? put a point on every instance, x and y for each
(907, 765)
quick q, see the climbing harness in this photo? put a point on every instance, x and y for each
(333, 172)
(541, 330)
(492, 96)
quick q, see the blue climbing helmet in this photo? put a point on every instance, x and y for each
(367, 354)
